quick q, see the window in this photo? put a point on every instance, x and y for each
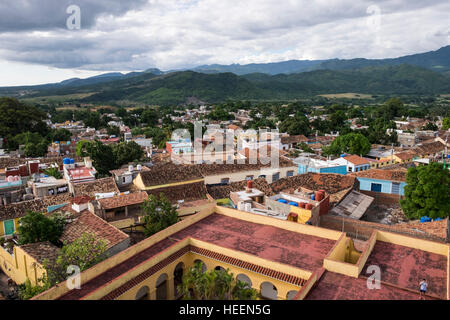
(350, 169)
(395, 188)
(124, 179)
(225, 181)
(376, 187)
(8, 226)
(275, 177)
(290, 174)
(249, 178)
(262, 176)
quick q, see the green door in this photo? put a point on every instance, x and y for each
(9, 227)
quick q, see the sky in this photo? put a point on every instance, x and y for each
(46, 41)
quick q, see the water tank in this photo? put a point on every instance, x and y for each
(10, 179)
(250, 184)
(130, 168)
(139, 167)
(319, 196)
(248, 207)
(66, 161)
(282, 201)
(309, 206)
(295, 204)
(313, 197)
(72, 161)
(302, 205)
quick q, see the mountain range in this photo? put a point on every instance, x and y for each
(426, 73)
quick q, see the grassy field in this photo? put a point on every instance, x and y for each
(59, 99)
(347, 96)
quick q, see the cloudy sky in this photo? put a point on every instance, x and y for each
(37, 46)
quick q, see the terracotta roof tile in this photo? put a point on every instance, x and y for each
(379, 174)
(294, 139)
(123, 200)
(98, 186)
(20, 209)
(88, 222)
(165, 173)
(41, 251)
(356, 160)
(430, 148)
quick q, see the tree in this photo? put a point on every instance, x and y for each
(150, 117)
(430, 126)
(53, 172)
(61, 135)
(214, 285)
(353, 143)
(102, 155)
(121, 112)
(159, 214)
(305, 148)
(35, 144)
(296, 126)
(84, 252)
(36, 227)
(17, 117)
(113, 131)
(127, 152)
(28, 291)
(158, 136)
(446, 124)
(427, 192)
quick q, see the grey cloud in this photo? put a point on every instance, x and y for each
(175, 34)
(23, 15)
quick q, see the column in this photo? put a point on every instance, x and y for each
(170, 288)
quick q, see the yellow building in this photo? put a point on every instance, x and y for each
(26, 262)
(10, 215)
(281, 259)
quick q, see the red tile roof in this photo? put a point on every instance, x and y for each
(98, 186)
(356, 160)
(88, 222)
(123, 200)
(42, 251)
(379, 174)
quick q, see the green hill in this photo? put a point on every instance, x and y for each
(178, 87)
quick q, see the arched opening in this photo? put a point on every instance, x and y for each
(202, 263)
(269, 291)
(143, 293)
(178, 279)
(244, 278)
(161, 287)
(291, 295)
(219, 268)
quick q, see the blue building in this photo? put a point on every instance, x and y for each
(383, 181)
(306, 165)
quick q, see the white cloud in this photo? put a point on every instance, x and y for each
(171, 34)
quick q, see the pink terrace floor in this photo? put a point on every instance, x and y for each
(334, 286)
(406, 267)
(299, 250)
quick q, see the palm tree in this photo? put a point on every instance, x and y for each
(214, 285)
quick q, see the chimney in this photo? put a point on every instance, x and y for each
(88, 163)
(249, 186)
